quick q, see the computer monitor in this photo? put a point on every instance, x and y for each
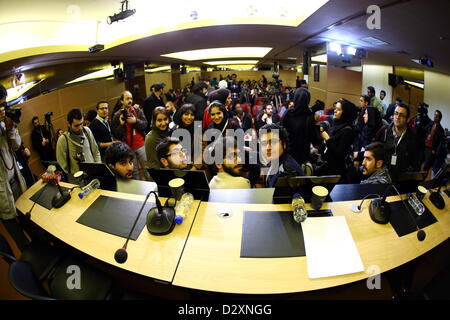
(101, 172)
(285, 187)
(195, 182)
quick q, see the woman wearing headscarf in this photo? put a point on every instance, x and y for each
(159, 130)
(301, 127)
(184, 118)
(341, 137)
(224, 97)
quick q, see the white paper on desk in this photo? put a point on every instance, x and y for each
(330, 249)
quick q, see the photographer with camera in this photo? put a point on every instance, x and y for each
(128, 125)
(11, 180)
(76, 145)
(41, 141)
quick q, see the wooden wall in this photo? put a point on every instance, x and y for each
(84, 96)
(410, 95)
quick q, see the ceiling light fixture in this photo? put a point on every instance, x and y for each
(220, 53)
(374, 41)
(216, 63)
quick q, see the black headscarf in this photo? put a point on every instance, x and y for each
(301, 102)
(349, 114)
(373, 124)
(179, 122)
(221, 125)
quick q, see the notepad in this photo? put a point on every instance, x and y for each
(330, 249)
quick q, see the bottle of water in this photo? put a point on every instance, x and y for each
(85, 191)
(416, 204)
(183, 207)
(299, 209)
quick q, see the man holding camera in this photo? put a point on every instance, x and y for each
(11, 180)
(76, 145)
(129, 125)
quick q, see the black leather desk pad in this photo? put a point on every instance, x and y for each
(44, 197)
(115, 216)
(271, 234)
(404, 222)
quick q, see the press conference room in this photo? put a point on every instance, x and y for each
(264, 151)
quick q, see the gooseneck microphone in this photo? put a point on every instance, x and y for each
(121, 254)
(358, 208)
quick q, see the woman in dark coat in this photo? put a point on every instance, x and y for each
(301, 127)
(184, 118)
(341, 137)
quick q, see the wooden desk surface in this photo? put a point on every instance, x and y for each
(149, 255)
(211, 259)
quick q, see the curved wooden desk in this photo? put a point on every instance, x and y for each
(152, 256)
(207, 256)
(215, 264)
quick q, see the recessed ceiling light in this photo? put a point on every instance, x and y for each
(218, 53)
(104, 73)
(215, 63)
(374, 41)
(164, 68)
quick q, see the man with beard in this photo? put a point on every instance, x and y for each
(76, 145)
(400, 143)
(171, 154)
(274, 147)
(41, 141)
(373, 165)
(119, 158)
(229, 168)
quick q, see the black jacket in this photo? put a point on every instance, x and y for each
(199, 103)
(259, 123)
(300, 126)
(406, 151)
(101, 134)
(338, 147)
(149, 105)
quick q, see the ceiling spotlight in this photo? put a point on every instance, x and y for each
(252, 10)
(194, 15)
(351, 51)
(123, 13)
(336, 47)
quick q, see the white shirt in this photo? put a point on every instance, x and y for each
(224, 180)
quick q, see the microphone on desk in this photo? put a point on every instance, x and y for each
(436, 199)
(54, 177)
(379, 210)
(358, 208)
(159, 219)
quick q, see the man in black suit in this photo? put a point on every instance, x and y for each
(100, 127)
(198, 99)
(153, 101)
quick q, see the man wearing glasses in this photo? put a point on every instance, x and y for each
(400, 144)
(101, 128)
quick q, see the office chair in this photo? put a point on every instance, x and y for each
(22, 278)
(75, 280)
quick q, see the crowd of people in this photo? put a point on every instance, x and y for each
(255, 132)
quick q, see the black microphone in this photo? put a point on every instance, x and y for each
(121, 254)
(436, 199)
(379, 210)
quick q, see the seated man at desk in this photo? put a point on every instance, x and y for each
(119, 158)
(273, 139)
(171, 154)
(229, 175)
(373, 165)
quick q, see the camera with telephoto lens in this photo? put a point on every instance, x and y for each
(13, 113)
(79, 156)
(318, 105)
(125, 114)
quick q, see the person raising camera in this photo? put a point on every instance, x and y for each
(128, 125)
(76, 145)
(11, 180)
